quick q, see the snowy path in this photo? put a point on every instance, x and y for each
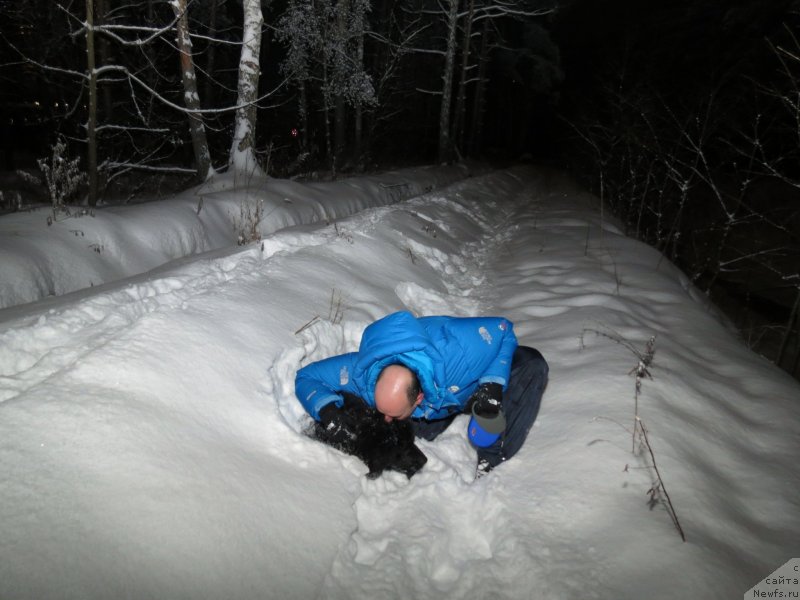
(150, 439)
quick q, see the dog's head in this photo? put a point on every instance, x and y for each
(391, 447)
(363, 432)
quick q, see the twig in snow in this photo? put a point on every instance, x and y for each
(336, 308)
(658, 485)
(313, 320)
(641, 370)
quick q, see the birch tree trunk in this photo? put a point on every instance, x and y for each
(202, 155)
(445, 142)
(243, 157)
(91, 124)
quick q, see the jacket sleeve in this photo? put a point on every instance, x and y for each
(320, 383)
(499, 369)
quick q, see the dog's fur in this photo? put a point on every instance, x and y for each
(361, 431)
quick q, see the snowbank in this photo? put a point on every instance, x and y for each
(88, 249)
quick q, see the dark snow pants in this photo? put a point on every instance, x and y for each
(521, 402)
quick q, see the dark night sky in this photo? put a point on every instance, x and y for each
(677, 47)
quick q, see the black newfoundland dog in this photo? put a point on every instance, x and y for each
(361, 431)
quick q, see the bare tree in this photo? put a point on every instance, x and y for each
(211, 52)
(445, 142)
(710, 179)
(202, 155)
(91, 124)
(450, 121)
(243, 158)
(325, 60)
(476, 125)
(461, 96)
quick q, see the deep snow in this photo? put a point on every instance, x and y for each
(150, 441)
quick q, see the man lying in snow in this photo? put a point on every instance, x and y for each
(431, 369)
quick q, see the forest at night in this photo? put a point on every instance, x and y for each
(680, 116)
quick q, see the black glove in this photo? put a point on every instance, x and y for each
(487, 400)
(328, 413)
(334, 426)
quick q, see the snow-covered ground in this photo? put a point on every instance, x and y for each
(151, 445)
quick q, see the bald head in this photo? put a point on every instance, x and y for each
(397, 393)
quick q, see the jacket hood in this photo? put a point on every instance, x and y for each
(400, 338)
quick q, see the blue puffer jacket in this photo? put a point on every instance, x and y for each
(450, 355)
